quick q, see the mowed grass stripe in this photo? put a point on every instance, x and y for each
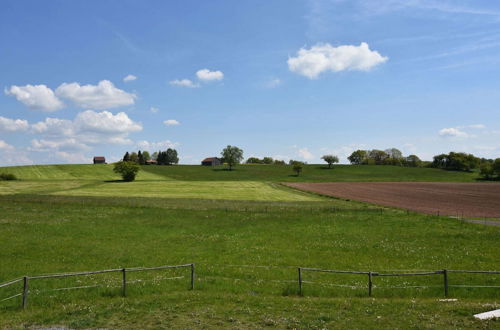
(230, 190)
(73, 172)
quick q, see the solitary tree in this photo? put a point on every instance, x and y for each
(297, 167)
(232, 155)
(330, 159)
(128, 170)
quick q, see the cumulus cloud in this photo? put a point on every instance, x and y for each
(453, 132)
(105, 122)
(184, 83)
(324, 57)
(154, 109)
(104, 95)
(305, 154)
(66, 144)
(13, 125)
(129, 77)
(171, 122)
(206, 75)
(88, 128)
(37, 97)
(153, 146)
(5, 146)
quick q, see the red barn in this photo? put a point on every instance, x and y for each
(99, 160)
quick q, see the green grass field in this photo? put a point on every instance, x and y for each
(246, 235)
(266, 173)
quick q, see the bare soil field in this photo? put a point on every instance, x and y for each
(447, 198)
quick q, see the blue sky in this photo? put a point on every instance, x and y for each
(286, 79)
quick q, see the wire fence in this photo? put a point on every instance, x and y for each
(27, 280)
(371, 275)
(265, 275)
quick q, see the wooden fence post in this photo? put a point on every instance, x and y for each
(25, 291)
(370, 284)
(124, 282)
(192, 276)
(300, 281)
(445, 278)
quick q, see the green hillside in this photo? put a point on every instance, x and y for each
(311, 173)
(267, 173)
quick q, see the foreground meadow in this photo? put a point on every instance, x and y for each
(246, 254)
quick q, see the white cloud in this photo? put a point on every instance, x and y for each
(5, 146)
(70, 144)
(154, 109)
(184, 83)
(155, 146)
(324, 57)
(38, 97)
(130, 77)
(273, 83)
(105, 122)
(104, 95)
(453, 132)
(171, 122)
(206, 75)
(305, 154)
(88, 128)
(478, 126)
(13, 125)
(72, 157)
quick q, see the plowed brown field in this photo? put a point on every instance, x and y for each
(447, 198)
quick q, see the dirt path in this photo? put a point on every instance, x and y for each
(443, 198)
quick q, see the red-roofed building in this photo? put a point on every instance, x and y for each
(211, 161)
(99, 160)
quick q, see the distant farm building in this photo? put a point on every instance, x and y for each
(151, 162)
(99, 160)
(211, 161)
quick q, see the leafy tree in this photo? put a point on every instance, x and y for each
(126, 157)
(146, 156)
(267, 160)
(297, 167)
(358, 157)
(496, 166)
(253, 160)
(154, 156)
(134, 157)
(128, 170)
(279, 162)
(486, 170)
(378, 156)
(232, 155)
(394, 153)
(412, 161)
(330, 159)
(171, 156)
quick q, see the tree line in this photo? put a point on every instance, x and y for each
(390, 156)
(167, 157)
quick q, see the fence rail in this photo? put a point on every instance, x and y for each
(371, 275)
(26, 279)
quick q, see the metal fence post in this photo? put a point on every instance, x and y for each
(445, 278)
(25, 291)
(192, 276)
(300, 281)
(124, 282)
(370, 284)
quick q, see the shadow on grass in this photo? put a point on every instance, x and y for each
(223, 169)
